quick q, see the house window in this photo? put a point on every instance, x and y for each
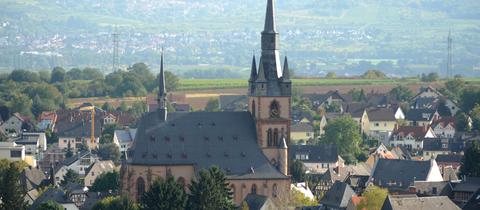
(15, 154)
(254, 189)
(274, 190)
(377, 124)
(140, 188)
(444, 146)
(434, 190)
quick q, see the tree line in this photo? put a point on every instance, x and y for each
(31, 93)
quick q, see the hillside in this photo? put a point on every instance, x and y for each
(402, 37)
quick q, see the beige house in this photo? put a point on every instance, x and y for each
(382, 122)
(301, 131)
(98, 168)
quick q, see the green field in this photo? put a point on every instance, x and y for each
(206, 84)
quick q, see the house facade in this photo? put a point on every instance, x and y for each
(411, 137)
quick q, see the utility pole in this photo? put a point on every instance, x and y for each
(449, 55)
(115, 57)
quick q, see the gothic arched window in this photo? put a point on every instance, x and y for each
(274, 191)
(275, 137)
(254, 110)
(269, 137)
(140, 188)
(254, 189)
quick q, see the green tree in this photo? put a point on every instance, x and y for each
(21, 75)
(331, 75)
(11, 191)
(69, 152)
(116, 203)
(92, 74)
(50, 205)
(442, 108)
(298, 199)
(210, 191)
(109, 151)
(107, 107)
(71, 177)
(45, 76)
(75, 74)
(475, 113)
(374, 74)
(122, 107)
(470, 96)
(171, 81)
(333, 107)
(462, 122)
(58, 75)
(138, 108)
(109, 181)
(455, 87)
(357, 95)
(298, 171)
(165, 194)
(345, 133)
(21, 103)
(213, 105)
(431, 77)
(471, 161)
(373, 198)
(401, 93)
(108, 133)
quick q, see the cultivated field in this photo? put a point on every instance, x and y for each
(198, 92)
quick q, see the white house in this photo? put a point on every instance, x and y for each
(35, 144)
(411, 136)
(12, 151)
(124, 139)
(444, 127)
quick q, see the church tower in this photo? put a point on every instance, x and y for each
(269, 96)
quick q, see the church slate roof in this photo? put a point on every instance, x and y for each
(203, 139)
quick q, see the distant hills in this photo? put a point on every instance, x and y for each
(398, 37)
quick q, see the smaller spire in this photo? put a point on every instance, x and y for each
(253, 73)
(161, 86)
(261, 72)
(286, 71)
(283, 144)
(162, 93)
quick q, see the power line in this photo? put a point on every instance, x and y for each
(115, 56)
(449, 55)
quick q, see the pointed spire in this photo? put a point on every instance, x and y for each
(286, 71)
(261, 72)
(162, 93)
(270, 18)
(161, 85)
(253, 73)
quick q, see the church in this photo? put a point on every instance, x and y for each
(251, 147)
